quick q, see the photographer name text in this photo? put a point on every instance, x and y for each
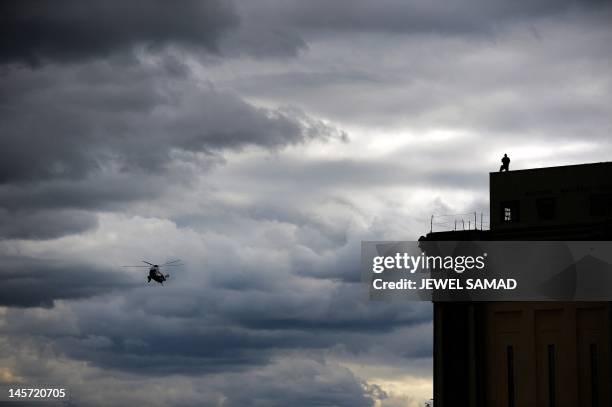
(446, 284)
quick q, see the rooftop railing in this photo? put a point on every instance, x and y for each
(459, 221)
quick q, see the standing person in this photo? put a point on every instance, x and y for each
(505, 163)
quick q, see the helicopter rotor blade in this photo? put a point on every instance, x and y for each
(171, 262)
(137, 266)
(150, 264)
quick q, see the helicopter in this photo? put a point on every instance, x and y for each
(154, 270)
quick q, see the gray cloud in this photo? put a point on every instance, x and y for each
(284, 28)
(164, 133)
(225, 312)
(72, 30)
(69, 31)
(44, 224)
(102, 134)
(521, 83)
(298, 378)
(425, 17)
(300, 382)
(67, 123)
(32, 282)
(203, 331)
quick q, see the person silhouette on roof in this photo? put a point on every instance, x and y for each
(505, 163)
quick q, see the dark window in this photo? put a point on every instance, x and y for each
(510, 211)
(601, 204)
(547, 208)
(552, 377)
(510, 373)
(594, 376)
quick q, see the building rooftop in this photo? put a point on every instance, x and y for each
(600, 163)
(571, 202)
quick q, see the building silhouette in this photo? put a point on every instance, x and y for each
(511, 354)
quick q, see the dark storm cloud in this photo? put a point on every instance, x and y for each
(297, 378)
(209, 343)
(30, 282)
(198, 325)
(45, 224)
(102, 134)
(271, 241)
(344, 313)
(68, 123)
(55, 208)
(34, 31)
(97, 192)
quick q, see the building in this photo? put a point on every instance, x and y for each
(508, 354)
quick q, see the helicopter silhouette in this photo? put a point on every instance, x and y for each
(154, 270)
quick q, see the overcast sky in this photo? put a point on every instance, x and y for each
(260, 141)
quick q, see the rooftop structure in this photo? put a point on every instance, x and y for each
(530, 353)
